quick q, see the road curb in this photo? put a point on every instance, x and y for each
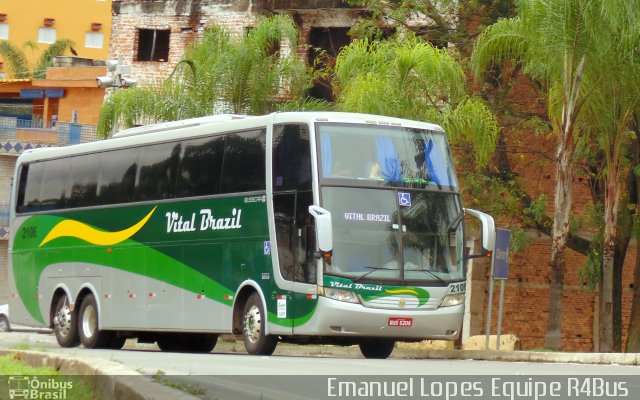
(284, 349)
(112, 379)
(521, 355)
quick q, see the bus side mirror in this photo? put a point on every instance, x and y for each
(324, 232)
(488, 228)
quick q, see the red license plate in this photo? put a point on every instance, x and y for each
(400, 322)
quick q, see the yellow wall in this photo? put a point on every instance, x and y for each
(73, 20)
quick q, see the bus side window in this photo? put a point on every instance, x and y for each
(53, 194)
(200, 167)
(243, 163)
(117, 176)
(22, 188)
(157, 172)
(82, 186)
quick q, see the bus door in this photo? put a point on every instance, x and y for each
(295, 232)
(295, 237)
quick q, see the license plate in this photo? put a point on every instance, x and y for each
(400, 322)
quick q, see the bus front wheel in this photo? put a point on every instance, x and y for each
(254, 321)
(90, 336)
(377, 348)
(65, 324)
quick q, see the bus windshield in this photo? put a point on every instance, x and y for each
(384, 155)
(395, 235)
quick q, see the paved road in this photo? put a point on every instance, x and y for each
(230, 374)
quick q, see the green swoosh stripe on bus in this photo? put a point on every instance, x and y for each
(171, 271)
(420, 294)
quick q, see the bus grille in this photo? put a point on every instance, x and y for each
(402, 302)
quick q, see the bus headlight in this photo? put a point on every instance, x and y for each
(340, 295)
(452, 300)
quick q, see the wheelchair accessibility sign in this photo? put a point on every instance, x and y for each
(404, 199)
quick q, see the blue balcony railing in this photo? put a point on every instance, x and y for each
(4, 215)
(32, 131)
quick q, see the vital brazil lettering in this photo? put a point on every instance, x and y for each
(177, 223)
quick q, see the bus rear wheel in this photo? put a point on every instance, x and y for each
(4, 324)
(254, 320)
(65, 324)
(377, 348)
(90, 336)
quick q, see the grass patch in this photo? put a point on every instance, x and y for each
(26, 346)
(20, 346)
(47, 381)
(189, 388)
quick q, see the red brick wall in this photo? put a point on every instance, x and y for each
(183, 24)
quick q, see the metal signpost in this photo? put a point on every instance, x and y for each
(500, 271)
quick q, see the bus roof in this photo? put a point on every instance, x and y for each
(194, 127)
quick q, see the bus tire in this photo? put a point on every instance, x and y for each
(116, 342)
(377, 348)
(4, 324)
(90, 336)
(254, 320)
(170, 342)
(204, 343)
(187, 342)
(65, 324)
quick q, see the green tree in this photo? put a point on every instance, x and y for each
(412, 79)
(18, 65)
(610, 111)
(252, 74)
(555, 41)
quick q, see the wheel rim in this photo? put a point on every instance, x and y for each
(89, 321)
(3, 325)
(63, 320)
(252, 321)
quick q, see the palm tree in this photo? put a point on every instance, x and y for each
(17, 63)
(219, 73)
(411, 78)
(559, 44)
(610, 112)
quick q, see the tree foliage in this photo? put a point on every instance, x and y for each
(18, 65)
(413, 79)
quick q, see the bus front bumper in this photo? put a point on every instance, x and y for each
(337, 318)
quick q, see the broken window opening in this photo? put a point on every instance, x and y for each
(153, 45)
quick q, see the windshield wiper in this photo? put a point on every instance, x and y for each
(430, 272)
(454, 224)
(373, 269)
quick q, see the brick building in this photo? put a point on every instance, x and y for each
(152, 35)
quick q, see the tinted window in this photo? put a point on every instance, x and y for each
(291, 158)
(158, 169)
(83, 183)
(32, 191)
(117, 176)
(243, 163)
(22, 187)
(201, 167)
(54, 183)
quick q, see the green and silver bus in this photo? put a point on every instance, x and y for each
(303, 227)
